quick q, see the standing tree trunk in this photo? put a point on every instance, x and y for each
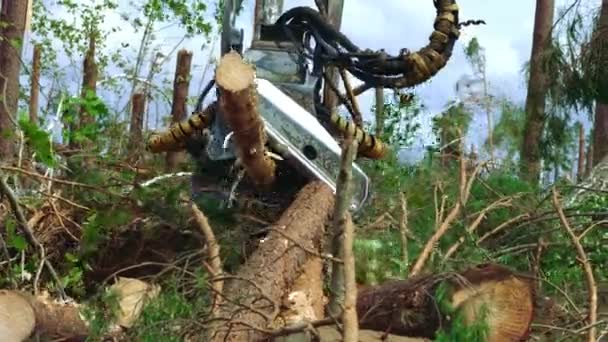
(589, 163)
(137, 124)
(600, 47)
(581, 152)
(181, 83)
(537, 90)
(35, 86)
(600, 132)
(89, 83)
(13, 17)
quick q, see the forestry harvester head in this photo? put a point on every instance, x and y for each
(290, 74)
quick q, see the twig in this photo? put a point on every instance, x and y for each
(29, 234)
(214, 255)
(584, 261)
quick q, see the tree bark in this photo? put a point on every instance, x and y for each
(275, 265)
(238, 104)
(13, 14)
(537, 90)
(35, 84)
(181, 83)
(137, 123)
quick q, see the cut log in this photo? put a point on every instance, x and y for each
(272, 269)
(238, 104)
(410, 307)
(21, 314)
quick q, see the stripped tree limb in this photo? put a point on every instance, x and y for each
(585, 264)
(238, 103)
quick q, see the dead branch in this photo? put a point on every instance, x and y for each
(238, 102)
(340, 218)
(215, 262)
(29, 234)
(586, 265)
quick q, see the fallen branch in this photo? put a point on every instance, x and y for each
(586, 265)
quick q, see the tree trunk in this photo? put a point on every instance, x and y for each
(410, 307)
(589, 163)
(13, 14)
(537, 90)
(275, 265)
(600, 131)
(581, 153)
(181, 83)
(89, 79)
(137, 123)
(35, 84)
(238, 104)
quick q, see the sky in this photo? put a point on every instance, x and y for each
(388, 24)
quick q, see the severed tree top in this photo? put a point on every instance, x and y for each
(233, 74)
